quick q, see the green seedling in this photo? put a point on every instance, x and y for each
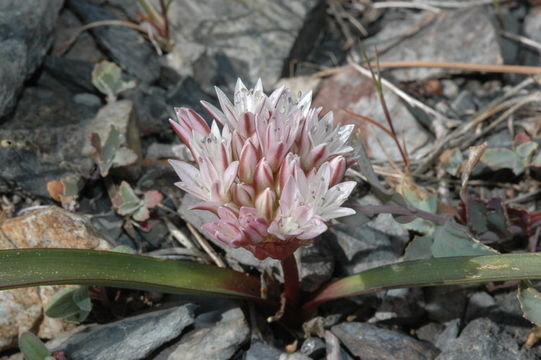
(107, 78)
(110, 154)
(127, 203)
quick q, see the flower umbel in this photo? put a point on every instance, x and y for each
(273, 173)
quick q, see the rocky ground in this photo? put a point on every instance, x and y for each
(49, 107)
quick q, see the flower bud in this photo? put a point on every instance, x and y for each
(317, 156)
(287, 170)
(263, 177)
(338, 169)
(243, 194)
(264, 203)
(248, 162)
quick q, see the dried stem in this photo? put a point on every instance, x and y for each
(515, 69)
(379, 87)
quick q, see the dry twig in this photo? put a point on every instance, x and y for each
(206, 246)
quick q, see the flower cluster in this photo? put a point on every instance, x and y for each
(272, 174)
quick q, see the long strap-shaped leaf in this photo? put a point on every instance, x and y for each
(33, 267)
(438, 271)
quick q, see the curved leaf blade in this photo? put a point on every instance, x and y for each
(34, 267)
(431, 272)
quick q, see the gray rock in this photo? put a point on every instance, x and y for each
(448, 335)
(479, 304)
(83, 49)
(374, 343)
(87, 99)
(463, 104)
(218, 42)
(130, 338)
(31, 159)
(313, 347)
(262, 351)
(76, 75)
(215, 341)
(401, 306)
(429, 332)
(316, 264)
(532, 30)
(294, 356)
(350, 90)
(23, 47)
(363, 247)
(485, 339)
(445, 303)
(449, 38)
(122, 44)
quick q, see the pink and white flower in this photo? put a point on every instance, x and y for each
(273, 173)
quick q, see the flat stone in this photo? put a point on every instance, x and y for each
(128, 339)
(125, 46)
(23, 47)
(448, 335)
(260, 350)
(371, 342)
(479, 304)
(363, 248)
(31, 159)
(444, 304)
(218, 42)
(350, 90)
(22, 309)
(50, 226)
(469, 32)
(316, 264)
(218, 341)
(485, 339)
(401, 306)
(532, 30)
(76, 75)
(313, 347)
(83, 49)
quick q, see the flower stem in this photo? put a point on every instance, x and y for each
(291, 281)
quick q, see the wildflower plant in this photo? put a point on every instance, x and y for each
(273, 174)
(271, 169)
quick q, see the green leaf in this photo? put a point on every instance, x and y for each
(107, 78)
(500, 158)
(530, 302)
(419, 199)
(124, 157)
(450, 240)
(430, 272)
(34, 267)
(142, 214)
(525, 152)
(32, 347)
(453, 161)
(61, 305)
(419, 248)
(82, 300)
(125, 201)
(106, 152)
(536, 161)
